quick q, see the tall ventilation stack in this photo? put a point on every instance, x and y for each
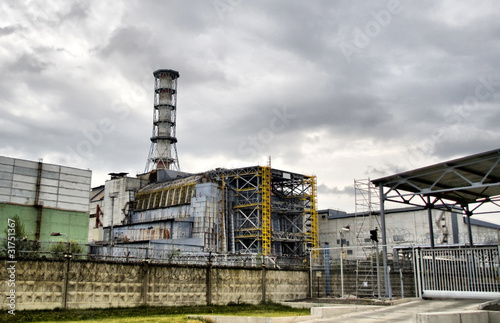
(163, 152)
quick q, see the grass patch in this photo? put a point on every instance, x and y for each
(149, 319)
(143, 314)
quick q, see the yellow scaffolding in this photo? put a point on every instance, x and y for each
(266, 209)
(294, 203)
(313, 213)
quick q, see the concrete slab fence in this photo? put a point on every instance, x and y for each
(48, 284)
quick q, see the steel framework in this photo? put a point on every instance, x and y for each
(271, 212)
(468, 181)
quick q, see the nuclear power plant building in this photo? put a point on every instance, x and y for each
(253, 210)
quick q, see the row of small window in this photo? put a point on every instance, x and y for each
(344, 242)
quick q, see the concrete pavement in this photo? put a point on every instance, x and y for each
(410, 310)
(407, 312)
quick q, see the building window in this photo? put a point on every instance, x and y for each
(344, 242)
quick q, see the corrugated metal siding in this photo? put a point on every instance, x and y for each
(61, 187)
(72, 223)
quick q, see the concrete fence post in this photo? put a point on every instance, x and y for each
(145, 283)
(208, 280)
(264, 282)
(65, 281)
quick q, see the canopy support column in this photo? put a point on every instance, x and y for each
(429, 213)
(468, 212)
(387, 278)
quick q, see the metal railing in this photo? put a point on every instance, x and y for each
(354, 271)
(28, 249)
(121, 253)
(458, 272)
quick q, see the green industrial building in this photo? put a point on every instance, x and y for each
(74, 224)
(51, 202)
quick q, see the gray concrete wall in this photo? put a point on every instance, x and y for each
(48, 284)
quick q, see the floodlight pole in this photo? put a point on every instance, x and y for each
(342, 230)
(111, 236)
(341, 264)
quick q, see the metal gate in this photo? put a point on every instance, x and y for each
(458, 272)
(351, 271)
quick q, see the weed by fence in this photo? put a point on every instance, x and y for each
(30, 249)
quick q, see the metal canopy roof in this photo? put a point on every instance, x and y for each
(465, 180)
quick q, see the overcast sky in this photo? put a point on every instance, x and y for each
(339, 89)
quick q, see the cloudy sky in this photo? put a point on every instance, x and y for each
(340, 89)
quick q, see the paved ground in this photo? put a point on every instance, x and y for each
(405, 312)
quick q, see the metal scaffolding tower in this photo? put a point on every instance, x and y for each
(367, 206)
(273, 212)
(163, 152)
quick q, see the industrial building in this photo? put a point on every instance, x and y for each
(434, 230)
(46, 198)
(405, 227)
(256, 210)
